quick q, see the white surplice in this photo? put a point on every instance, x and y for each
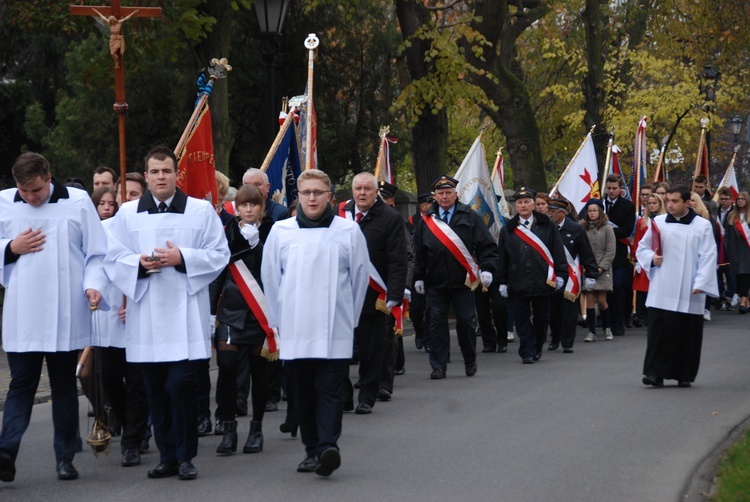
(689, 253)
(110, 330)
(168, 312)
(45, 308)
(315, 280)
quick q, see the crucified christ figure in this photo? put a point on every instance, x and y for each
(116, 40)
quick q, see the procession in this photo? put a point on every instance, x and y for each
(181, 307)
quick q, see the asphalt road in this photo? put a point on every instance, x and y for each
(573, 427)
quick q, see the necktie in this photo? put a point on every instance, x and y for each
(609, 205)
(445, 216)
(162, 207)
(526, 223)
(359, 217)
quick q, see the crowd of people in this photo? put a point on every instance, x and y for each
(289, 298)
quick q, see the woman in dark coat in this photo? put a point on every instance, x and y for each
(238, 325)
(738, 248)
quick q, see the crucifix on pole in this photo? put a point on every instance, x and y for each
(115, 15)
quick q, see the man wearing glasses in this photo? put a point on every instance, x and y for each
(315, 273)
(727, 280)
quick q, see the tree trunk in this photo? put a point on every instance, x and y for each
(503, 84)
(217, 45)
(430, 133)
(596, 22)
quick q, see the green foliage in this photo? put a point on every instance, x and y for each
(733, 483)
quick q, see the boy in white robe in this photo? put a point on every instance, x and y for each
(164, 251)
(53, 245)
(680, 260)
(315, 273)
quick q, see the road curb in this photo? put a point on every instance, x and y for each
(700, 485)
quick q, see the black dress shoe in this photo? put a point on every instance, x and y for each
(487, 350)
(399, 371)
(163, 470)
(619, 330)
(384, 395)
(418, 342)
(528, 360)
(637, 321)
(7, 467)
(357, 384)
(272, 405)
(348, 406)
(537, 356)
(684, 384)
(330, 460)
(653, 381)
(553, 346)
(629, 323)
(187, 470)
(219, 428)
(66, 471)
(143, 448)
(567, 350)
(471, 369)
(363, 409)
(437, 374)
(204, 426)
(131, 457)
(502, 350)
(309, 464)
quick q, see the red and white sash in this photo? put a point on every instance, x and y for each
(456, 247)
(743, 230)
(573, 286)
(536, 243)
(256, 300)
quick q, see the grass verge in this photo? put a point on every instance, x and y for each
(733, 474)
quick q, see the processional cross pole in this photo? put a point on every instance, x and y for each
(115, 15)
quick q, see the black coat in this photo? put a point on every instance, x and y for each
(521, 267)
(383, 227)
(575, 239)
(227, 302)
(435, 265)
(622, 214)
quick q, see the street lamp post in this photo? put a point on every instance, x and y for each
(736, 129)
(711, 75)
(270, 14)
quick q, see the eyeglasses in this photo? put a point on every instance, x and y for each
(313, 193)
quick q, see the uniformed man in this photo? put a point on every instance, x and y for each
(454, 254)
(531, 267)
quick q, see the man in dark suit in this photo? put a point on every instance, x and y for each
(531, 266)
(563, 308)
(440, 273)
(727, 280)
(418, 311)
(621, 213)
(384, 232)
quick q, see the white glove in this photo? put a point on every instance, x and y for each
(419, 287)
(390, 304)
(211, 325)
(638, 268)
(407, 295)
(504, 290)
(486, 278)
(589, 283)
(559, 283)
(251, 235)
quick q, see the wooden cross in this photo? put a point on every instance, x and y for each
(115, 15)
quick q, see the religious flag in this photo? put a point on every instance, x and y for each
(616, 169)
(580, 180)
(196, 175)
(475, 187)
(498, 184)
(284, 166)
(729, 180)
(383, 171)
(660, 173)
(640, 158)
(701, 162)
(309, 107)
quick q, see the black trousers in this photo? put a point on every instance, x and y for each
(492, 315)
(369, 336)
(466, 325)
(563, 319)
(123, 384)
(390, 353)
(25, 370)
(172, 393)
(531, 334)
(317, 386)
(673, 350)
(419, 314)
